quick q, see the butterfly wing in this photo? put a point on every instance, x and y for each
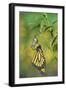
(39, 61)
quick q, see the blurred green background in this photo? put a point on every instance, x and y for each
(45, 27)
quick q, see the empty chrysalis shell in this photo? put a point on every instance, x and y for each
(34, 42)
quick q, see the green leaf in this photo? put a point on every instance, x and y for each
(54, 40)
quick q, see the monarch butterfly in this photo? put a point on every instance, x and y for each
(39, 59)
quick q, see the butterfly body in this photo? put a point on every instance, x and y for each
(39, 59)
